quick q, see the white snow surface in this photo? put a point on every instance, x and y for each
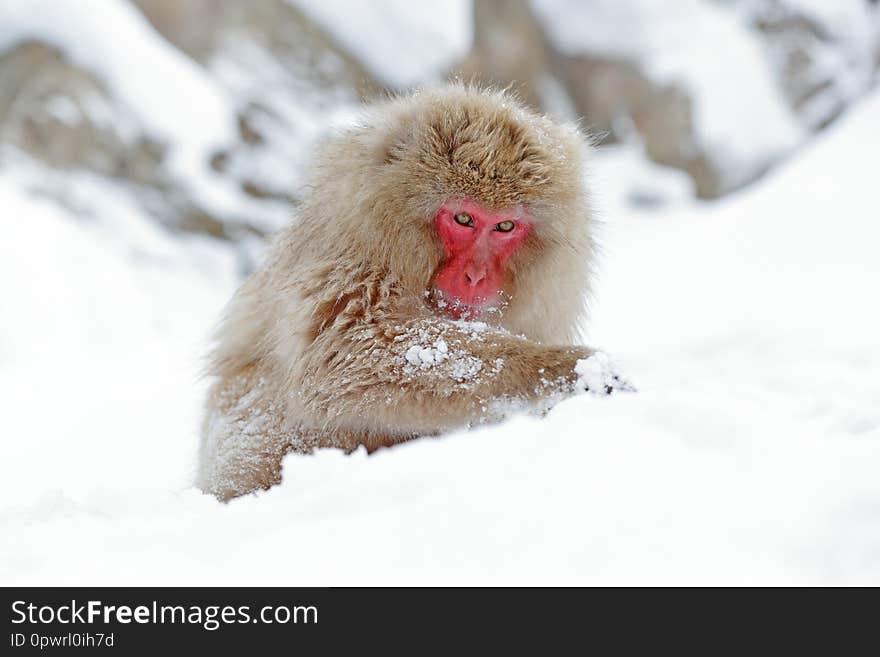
(749, 455)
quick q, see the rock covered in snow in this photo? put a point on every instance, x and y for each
(401, 43)
(656, 72)
(721, 89)
(824, 54)
(207, 123)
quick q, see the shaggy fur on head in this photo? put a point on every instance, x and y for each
(317, 346)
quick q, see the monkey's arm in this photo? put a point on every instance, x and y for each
(428, 375)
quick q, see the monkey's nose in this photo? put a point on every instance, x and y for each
(473, 276)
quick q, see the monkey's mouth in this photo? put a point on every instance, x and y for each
(466, 309)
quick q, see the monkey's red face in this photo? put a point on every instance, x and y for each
(477, 245)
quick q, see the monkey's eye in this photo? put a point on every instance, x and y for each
(505, 226)
(464, 219)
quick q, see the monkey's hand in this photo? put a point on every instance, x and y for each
(598, 376)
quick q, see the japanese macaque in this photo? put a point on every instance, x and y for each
(434, 278)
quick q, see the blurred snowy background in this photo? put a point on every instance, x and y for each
(147, 148)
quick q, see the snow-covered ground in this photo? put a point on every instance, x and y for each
(750, 454)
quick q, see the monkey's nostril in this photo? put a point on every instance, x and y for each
(474, 278)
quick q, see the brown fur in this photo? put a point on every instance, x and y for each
(313, 347)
